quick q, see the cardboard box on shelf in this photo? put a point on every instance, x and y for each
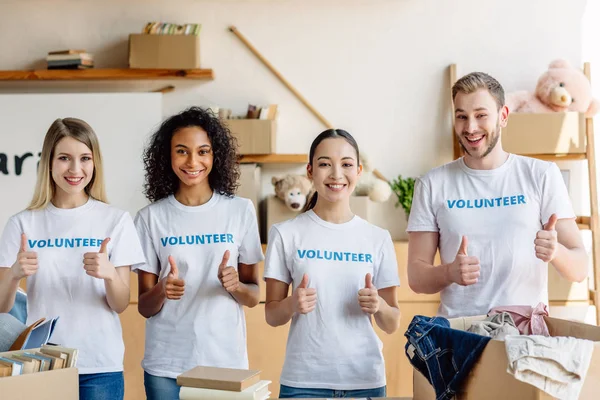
(250, 175)
(546, 133)
(164, 51)
(560, 289)
(255, 136)
(489, 380)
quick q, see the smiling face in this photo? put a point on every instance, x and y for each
(478, 123)
(72, 167)
(334, 170)
(191, 156)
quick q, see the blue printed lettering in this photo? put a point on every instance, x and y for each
(301, 253)
(469, 204)
(70, 243)
(311, 254)
(460, 203)
(480, 203)
(86, 242)
(451, 203)
(521, 199)
(369, 258)
(361, 257)
(229, 238)
(513, 200)
(319, 255)
(93, 243)
(337, 256)
(42, 244)
(505, 201)
(489, 203)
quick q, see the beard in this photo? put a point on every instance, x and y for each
(493, 137)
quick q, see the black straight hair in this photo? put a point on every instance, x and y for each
(328, 134)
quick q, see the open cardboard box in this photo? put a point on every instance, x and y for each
(545, 133)
(60, 384)
(255, 136)
(489, 380)
(164, 51)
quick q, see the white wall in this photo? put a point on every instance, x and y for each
(374, 67)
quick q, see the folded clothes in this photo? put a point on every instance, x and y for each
(497, 326)
(527, 319)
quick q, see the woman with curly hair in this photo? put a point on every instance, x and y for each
(202, 246)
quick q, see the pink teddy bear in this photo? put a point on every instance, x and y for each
(561, 88)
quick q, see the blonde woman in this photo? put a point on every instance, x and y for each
(75, 251)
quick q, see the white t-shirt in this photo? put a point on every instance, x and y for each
(207, 325)
(334, 346)
(61, 287)
(500, 211)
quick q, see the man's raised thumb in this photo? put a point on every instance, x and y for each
(104, 245)
(551, 224)
(368, 283)
(463, 246)
(304, 283)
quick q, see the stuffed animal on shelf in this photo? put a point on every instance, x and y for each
(370, 185)
(561, 88)
(293, 190)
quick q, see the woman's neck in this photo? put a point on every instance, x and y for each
(193, 196)
(336, 213)
(65, 200)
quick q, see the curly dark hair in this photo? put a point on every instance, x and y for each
(161, 181)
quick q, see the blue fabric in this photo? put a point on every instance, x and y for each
(288, 392)
(160, 388)
(103, 386)
(19, 310)
(445, 356)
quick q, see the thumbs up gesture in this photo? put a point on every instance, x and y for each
(546, 240)
(228, 276)
(464, 270)
(304, 298)
(97, 264)
(174, 287)
(368, 297)
(26, 263)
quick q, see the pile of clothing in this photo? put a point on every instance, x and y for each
(445, 356)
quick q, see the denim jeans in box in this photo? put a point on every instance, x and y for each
(443, 355)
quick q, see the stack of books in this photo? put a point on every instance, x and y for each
(167, 28)
(69, 59)
(222, 383)
(46, 358)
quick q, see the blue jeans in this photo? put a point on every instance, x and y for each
(286, 392)
(103, 386)
(445, 356)
(160, 388)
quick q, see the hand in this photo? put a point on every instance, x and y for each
(304, 299)
(546, 241)
(464, 270)
(368, 297)
(174, 287)
(97, 264)
(26, 263)
(228, 276)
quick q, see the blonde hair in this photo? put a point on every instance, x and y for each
(45, 186)
(475, 81)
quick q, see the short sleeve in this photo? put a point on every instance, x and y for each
(554, 196)
(250, 250)
(385, 272)
(152, 263)
(422, 216)
(276, 261)
(10, 242)
(124, 246)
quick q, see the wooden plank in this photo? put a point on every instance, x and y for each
(583, 222)
(275, 159)
(558, 157)
(107, 74)
(455, 145)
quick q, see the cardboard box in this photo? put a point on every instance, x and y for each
(255, 136)
(489, 379)
(164, 51)
(384, 215)
(546, 133)
(250, 183)
(275, 211)
(48, 385)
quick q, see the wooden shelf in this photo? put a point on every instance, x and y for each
(558, 157)
(275, 159)
(98, 74)
(583, 222)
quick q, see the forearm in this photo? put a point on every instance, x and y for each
(428, 279)
(387, 317)
(117, 293)
(247, 294)
(151, 302)
(8, 291)
(279, 312)
(572, 264)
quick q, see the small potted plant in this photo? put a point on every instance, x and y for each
(403, 188)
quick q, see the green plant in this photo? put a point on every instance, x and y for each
(403, 188)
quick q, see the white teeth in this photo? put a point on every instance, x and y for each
(74, 179)
(336, 186)
(473, 140)
(192, 172)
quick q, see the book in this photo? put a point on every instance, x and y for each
(70, 51)
(258, 391)
(71, 353)
(16, 366)
(40, 335)
(219, 378)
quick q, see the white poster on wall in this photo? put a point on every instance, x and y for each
(122, 122)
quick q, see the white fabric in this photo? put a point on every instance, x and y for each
(207, 325)
(500, 211)
(61, 286)
(334, 346)
(556, 365)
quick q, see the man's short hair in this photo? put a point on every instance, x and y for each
(475, 81)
